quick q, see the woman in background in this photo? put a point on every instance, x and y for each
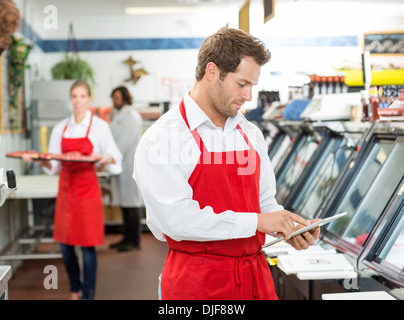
(79, 212)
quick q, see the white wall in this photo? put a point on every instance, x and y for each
(292, 19)
(169, 70)
(110, 71)
(172, 71)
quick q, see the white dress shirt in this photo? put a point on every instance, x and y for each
(100, 136)
(166, 157)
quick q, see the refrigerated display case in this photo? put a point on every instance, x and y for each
(336, 149)
(303, 148)
(367, 190)
(280, 143)
(381, 264)
(370, 188)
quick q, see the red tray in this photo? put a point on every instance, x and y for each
(72, 157)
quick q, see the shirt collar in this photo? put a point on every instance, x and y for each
(85, 122)
(196, 116)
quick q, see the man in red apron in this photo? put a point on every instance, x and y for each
(227, 269)
(222, 183)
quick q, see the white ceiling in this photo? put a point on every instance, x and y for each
(117, 7)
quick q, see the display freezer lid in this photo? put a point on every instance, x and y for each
(393, 249)
(355, 230)
(296, 166)
(378, 195)
(311, 188)
(386, 244)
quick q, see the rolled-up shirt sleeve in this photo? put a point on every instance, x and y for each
(170, 209)
(106, 144)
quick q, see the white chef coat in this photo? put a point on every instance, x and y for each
(100, 136)
(166, 157)
(126, 127)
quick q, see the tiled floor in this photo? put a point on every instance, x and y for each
(129, 275)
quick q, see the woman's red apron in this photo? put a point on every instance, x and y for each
(225, 269)
(79, 215)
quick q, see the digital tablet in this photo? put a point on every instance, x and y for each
(307, 228)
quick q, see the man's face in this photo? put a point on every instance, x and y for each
(117, 100)
(228, 95)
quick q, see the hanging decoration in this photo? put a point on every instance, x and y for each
(72, 66)
(135, 74)
(17, 57)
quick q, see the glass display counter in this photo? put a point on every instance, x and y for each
(307, 142)
(280, 141)
(368, 187)
(310, 190)
(382, 259)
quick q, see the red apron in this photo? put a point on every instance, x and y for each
(225, 269)
(79, 213)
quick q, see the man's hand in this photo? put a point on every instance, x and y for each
(306, 239)
(283, 222)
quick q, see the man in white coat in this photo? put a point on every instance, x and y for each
(126, 127)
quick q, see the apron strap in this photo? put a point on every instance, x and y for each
(196, 135)
(89, 126)
(238, 274)
(194, 132)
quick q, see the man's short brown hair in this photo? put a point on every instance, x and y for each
(226, 48)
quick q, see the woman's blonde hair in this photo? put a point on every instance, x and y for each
(81, 83)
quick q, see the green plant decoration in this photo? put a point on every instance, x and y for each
(17, 57)
(72, 67)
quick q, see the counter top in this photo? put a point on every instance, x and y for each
(5, 275)
(369, 295)
(40, 186)
(35, 187)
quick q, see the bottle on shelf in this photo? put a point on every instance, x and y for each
(365, 105)
(316, 89)
(330, 85)
(337, 85)
(344, 87)
(311, 85)
(323, 86)
(374, 102)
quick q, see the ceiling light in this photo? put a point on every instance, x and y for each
(159, 10)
